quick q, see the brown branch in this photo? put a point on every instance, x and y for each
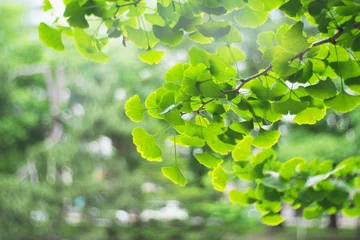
(248, 79)
(300, 55)
(125, 5)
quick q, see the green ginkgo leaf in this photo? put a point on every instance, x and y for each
(310, 115)
(266, 139)
(219, 178)
(146, 145)
(208, 160)
(50, 37)
(230, 54)
(289, 106)
(293, 40)
(151, 56)
(238, 197)
(353, 84)
(133, 109)
(272, 219)
(167, 35)
(242, 149)
(214, 29)
(174, 174)
(343, 102)
(288, 168)
(251, 18)
(90, 47)
(322, 90)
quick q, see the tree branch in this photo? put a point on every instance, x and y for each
(300, 55)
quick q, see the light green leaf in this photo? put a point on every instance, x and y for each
(310, 115)
(214, 29)
(151, 56)
(272, 219)
(50, 37)
(90, 47)
(238, 197)
(293, 40)
(133, 109)
(345, 70)
(242, 149)
(221, 70)
(219, 178)
(343, 102)
(197, 56)
(174, 174)
(288, 169)
(167, 35)
(146, 145)
(322, 90)
(266, 139)
(230, 54)
(251, 18)
(47, 6)
(289, 106)
(311, 213)
(208, 160)
(141, 38)
(199, 38)
(273, 180)
(353, 84)
(188, 141)
(233, 36)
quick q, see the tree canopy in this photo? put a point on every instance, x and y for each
(311, 66)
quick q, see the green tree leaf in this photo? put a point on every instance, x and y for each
(343, 102)
(242, 149)
(151, 56)
(288, 169)
(146, 145)
(272, 219)
(174, 174)
(293, 40)
(167, 35)
(219, 178)
(208, 160)
(322, 90)
(251, 18)
(50, 37)
(310, 115)
(266, 139)
(133, 109)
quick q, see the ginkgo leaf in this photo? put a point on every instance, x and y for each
(289, 106)
(310, 115)
(133, 109)
(353, 84)
(272, 219)
(293, 40)
(219, 178)
(208, 160)
(214, 29)
(168, 35)
(288, 168)
(151, 56)
(251, 18)
(322, 90)
(90, 47)
(266, 139)
(50, 37)
(174, 174)
(343, 102)
(146, 145)
(242, 149)
(238, 197)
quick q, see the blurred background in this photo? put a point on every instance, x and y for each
(69, 170)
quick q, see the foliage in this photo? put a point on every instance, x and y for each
(208, 103)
